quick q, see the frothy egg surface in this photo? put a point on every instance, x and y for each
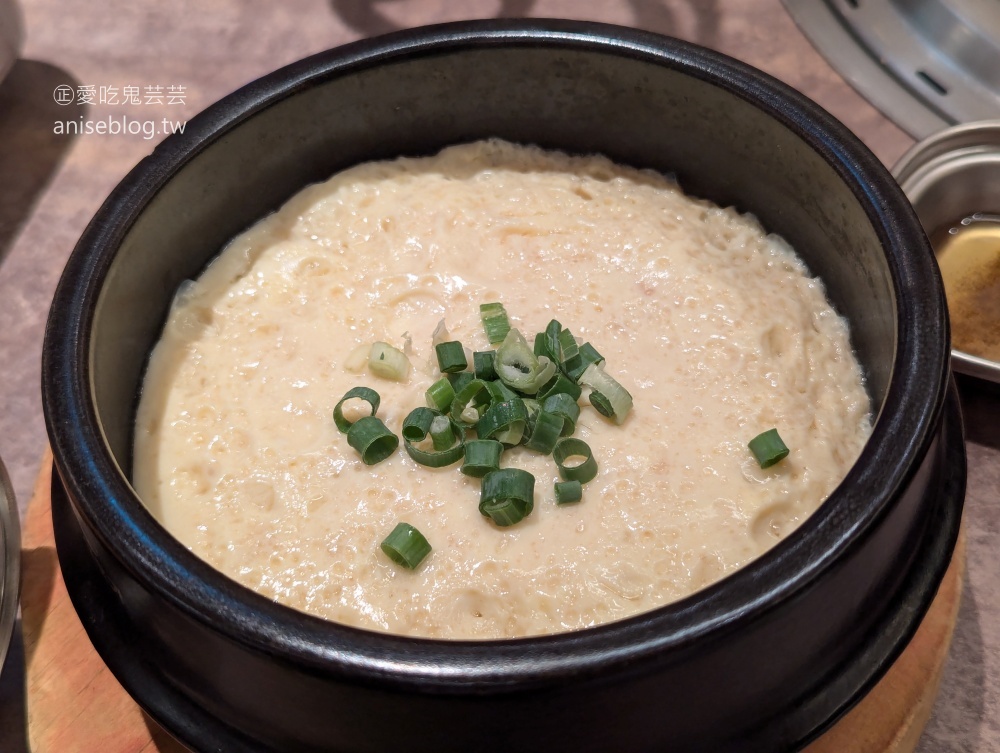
(715, 328)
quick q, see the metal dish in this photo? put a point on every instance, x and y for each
(954, 174)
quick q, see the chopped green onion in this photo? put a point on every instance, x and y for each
(513, 435)
(552, 331)
(406, 546)
(504, 421)
(768, 448)
(505, 512)
(588, 356)
(569, 351)
(483, 365)
(548, 427)
(507, 496)
(500, 391)
(495, 322)
(601, 403)
(442, 435)
(440, 395)
(560, 384)
(373, 441)
(458, 381)
(388, 362)
(572, 448)
(481, 457)
(547, 369)
(516, 364)
(617, 396)
(357, 359)
(417, 425)
(568, 491)
(564, 406)
(451, 357)
(533, 407)
(539, 345)
(468, 402)
(357, 393)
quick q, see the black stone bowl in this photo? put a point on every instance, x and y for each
(763, 661)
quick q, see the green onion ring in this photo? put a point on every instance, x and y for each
(539, 348)
(552, 332)
(768, 448)
(388, 362)
(507, 496)
(617, 396)
(481, 457)
(406, 546)
(569, 351)
(532, 406)
(516, 364)
(373, 441)
(563, 405)
(483, 365)
(568, 491)
(572, 447)
(500, 391)
(547, 369)
(440, 394)
(502, 416)
(560, 383)
(417, 424)
(459, 380)
(442, 435)
(601, 403)
(548, 427)
(495, 321)
(588, 356)
(451, 357)
(370, 396)
(416, 427)
(512, 435)
(468, 401)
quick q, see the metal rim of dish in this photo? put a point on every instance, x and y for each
(926, 64)
(10, 562)
(922, 166)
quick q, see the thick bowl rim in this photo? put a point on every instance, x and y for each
(901, 436)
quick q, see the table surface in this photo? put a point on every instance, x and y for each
(167, 61)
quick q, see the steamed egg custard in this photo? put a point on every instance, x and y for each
(714, 328)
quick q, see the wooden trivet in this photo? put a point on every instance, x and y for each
(75, 705)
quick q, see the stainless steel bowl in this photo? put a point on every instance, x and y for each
(954, 174)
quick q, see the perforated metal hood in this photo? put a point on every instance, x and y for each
(926, 64)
